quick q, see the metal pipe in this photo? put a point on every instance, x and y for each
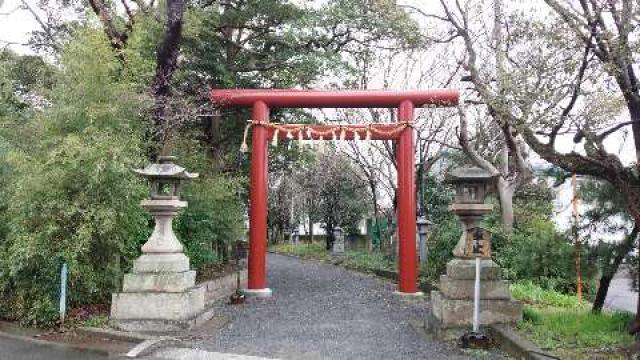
(476, 298)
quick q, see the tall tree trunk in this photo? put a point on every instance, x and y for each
(329, 237)
(620, 251)
(505, 191)
(628, 185)
(167, 62)
(374, 195)
(310, 229)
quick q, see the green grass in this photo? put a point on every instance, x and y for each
(98, 321)
(530, 293)
(315, 251)
(368, 261)
(554, 328)
(565, 325)
(359, 260)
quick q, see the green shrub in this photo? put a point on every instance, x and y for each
(446, 229)
(212, 221)
(71, 195)
(445, 236)
(538, 252)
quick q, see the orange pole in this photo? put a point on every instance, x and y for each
(578, 245)
(257, 276)
(405, 157)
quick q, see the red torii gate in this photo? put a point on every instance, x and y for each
(404, 101)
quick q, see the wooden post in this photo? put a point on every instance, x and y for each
(577, 243)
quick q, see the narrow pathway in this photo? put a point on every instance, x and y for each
(322, 311)
(620, 295)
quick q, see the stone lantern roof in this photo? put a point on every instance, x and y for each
(165, 169)
(469, 174)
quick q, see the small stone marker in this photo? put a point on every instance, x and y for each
(338, 242)
(422, 225)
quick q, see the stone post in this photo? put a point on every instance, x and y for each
(422, 225)
(160, 294)
(338, 242)
(296, 236)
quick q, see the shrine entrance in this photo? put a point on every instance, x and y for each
(402, 131)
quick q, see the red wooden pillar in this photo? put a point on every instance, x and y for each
(257, 274)
(405, 157)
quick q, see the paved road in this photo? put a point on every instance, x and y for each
(324, 312)
(13, 348)
(620, 295)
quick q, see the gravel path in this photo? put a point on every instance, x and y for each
(321, 311)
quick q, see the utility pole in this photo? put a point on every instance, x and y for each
(576, 237)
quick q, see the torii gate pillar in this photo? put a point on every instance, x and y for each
(257, 272)
(405, 158)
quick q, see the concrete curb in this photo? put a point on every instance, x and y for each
(148, 346)
(115, 334)
(515, 345)
(41, 342)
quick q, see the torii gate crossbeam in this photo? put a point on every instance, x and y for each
(405, 102)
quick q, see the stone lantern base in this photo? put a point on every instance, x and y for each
(159, 296)
(452, 306)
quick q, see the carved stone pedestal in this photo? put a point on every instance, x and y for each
(452, 305)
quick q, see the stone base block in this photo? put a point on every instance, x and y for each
(223, 287)
(159, 282)
(449, 313)
(417, 294)
(463, 289)
(162, 326)
(152, 263)
(158, 305)
(451, 333)
(465, 269)
(261, 293)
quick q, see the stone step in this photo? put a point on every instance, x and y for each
(464, 289)
(158, 305)
(456, 312)
(465, 269)
(169, 282)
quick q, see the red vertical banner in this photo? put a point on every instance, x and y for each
(405, 157)
(257, 272)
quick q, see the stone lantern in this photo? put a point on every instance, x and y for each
(338, 241)
(166, 180)
(452, 305)
(472, 185)
(160, 293)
